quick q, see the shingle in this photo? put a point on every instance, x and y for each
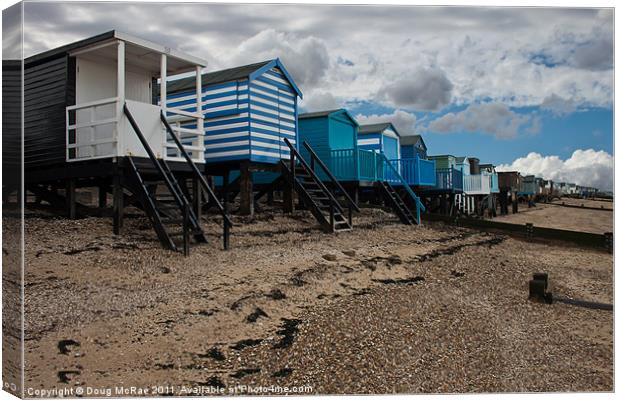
(210, 78)
(372, 128)
(316, 114)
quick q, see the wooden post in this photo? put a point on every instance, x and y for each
(120, 94)
(70, 198)
(442, 204)
(246, 191)
(225, 179)
(197, 198)
(200, 122)
(270, 198)
(103, 196)
(289, 202)
(117, 190)
(515, 203)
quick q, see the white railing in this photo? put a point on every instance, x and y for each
(191, 138)
(477, 184)
(96, 130)
(92, 130)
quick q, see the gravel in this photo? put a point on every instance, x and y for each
(395, 308)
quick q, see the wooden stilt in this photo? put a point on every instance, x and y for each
(270, 198)
(117, 190)
(70, 198)
(103, 196)
(246, 191)
(197, 198)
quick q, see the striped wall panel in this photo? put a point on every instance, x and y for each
(245, 121)
(273, 116)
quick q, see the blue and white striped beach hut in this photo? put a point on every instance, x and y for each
(380, 137)
(248, 110)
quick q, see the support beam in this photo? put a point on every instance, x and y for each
(246, 191)
(117, 191)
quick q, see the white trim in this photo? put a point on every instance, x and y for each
(366, 142)
(226, 136)
(227, 153)
(161, 49)
(228, 144)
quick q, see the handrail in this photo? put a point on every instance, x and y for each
(314, 156)
(332, 200)
(101, 102)
(180, 200)
(419, 204)
(201, 178)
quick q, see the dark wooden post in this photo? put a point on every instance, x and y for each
(117, 206)
(246, 191)
(103, 196)
(197, 198)
(515, 203)
(70, 198)
(225, 180)
(289, 201)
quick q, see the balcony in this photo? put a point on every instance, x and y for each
(416, 171)
(477, 184)
(99, 129)
(449, 179)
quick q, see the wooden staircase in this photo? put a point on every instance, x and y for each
(163, 198)
(315, 196)
(396, 203)
(165, 204)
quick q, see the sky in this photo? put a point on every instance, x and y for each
(523, 88)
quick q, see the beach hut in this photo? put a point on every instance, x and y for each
(334, 137)
(412, 146)
(248, 111)
(414, 164)
(381, 137)
(90, 121)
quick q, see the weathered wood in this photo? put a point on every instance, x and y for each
(197, 198)
(246, 191)
(585, 239)
(103, 196)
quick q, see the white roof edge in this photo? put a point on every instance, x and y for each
(160, 48)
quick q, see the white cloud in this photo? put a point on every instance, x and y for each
(489, 118)
(584, 167)
(306, 58)
(403, 121)
(558, 105)
(515, 56)
(319, 101)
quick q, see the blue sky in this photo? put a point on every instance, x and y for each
(531, 87)
(559, 135)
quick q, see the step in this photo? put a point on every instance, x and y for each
(153, 182)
